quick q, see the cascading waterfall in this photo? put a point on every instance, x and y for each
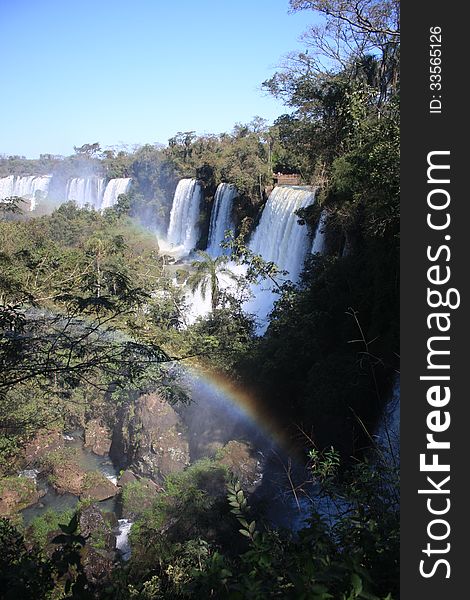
(221, 217)
(318, 246)
(113, 190)
(85, 191)
(183, 231)
(122, 538)
(92, 191)
(279, 237)
(6, 187)
(28, 187)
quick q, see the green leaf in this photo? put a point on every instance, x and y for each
(72, 526)
(245, 533)
(356, 583)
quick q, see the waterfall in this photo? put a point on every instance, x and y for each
(122, 538)
(94, 192)
(221, 217)
(183, 230)
(85, 191)
(28, 187)
(6, 187)
(279, 237)
(113, 190)
(318, 246)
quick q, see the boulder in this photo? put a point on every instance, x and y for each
(17, 493)
(96, 486)
(97, 437)
(67, 476)
(243, 462)
(126, 477)
(98, 554)
(43, 443)
(97, 526)
(153, 438)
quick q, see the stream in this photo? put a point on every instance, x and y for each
(61, 502)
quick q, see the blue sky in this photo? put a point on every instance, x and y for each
(113, 71)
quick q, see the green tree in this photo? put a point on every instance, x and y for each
(24, 573)
(88, 150)
(350, 32)
(207, 274)
(65, 287)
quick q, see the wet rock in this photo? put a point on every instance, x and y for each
(97, 437)
(98, 554)
(67, 476)
(163, 447)
(96, 525)
(63, 471)
(153, 437)
(243, 462)
(127, 477)
(96, 486)
(43, 443)
(17, 493)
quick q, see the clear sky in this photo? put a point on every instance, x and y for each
(136, 71)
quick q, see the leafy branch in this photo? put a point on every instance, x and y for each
(240, 509)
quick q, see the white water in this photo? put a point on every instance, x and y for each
(279, 237)
(122, 538)
(93, 191)
(221, 217)
(29, 187)
(183, 230)
(85, 191)
(113, 190)
(318, 246)
(29, 474)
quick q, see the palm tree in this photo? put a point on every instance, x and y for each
(207, 272)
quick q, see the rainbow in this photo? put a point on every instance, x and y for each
(249, 404)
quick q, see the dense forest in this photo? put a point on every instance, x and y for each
(96, 341)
